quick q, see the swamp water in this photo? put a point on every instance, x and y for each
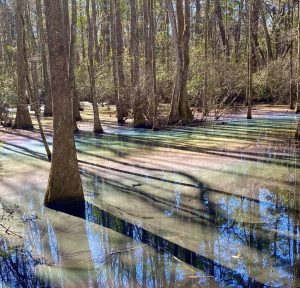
(212, 206)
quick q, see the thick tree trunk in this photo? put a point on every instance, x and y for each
(138, 103)
(122, 109)
(22, 120)
(72, 60)
(180, 110)
(64, 189)
(97, 123)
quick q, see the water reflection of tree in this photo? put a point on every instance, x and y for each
(17, 268)
(139, 265)
(296, 238)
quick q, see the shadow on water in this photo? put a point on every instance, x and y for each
(220, 274)
(263, 225)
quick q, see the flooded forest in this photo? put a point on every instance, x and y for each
(149, 143)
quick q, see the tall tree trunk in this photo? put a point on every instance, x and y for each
(277, 25)
(205, 95)
(72, 60)
(46, 80)
(36, 108)
(254, 30)
(297, 109)
(267, 35)
(237, 33)
(22, 120)
(82, 32)
(197, 18)
(33, 89)
(250, 60)
(64, 189)
(138, 103)
(291, 20)
(95, 31)
(148, 34)
(222, 28)
(65, 5)
(122, 109)
(97, 123)
(105, 31)
(153, 95)
(180, 110)
(113, 49)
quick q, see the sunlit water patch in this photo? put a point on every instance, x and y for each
(203, 206)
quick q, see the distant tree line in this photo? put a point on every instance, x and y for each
(152, 58)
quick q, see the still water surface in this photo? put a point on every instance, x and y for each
(213, 206)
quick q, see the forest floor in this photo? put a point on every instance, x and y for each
(206, 190)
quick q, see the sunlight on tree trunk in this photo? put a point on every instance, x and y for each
(64, 185)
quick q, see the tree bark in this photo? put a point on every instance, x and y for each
(36, 108)
(64, 189)
(139, 119)
(291, 19)
(33, 89)
(197, 18)
(254, 37)
(82, 32)
(122, 111)
(22, 120)
(113, 49)
(153, 95)
(180, 110)
(95, 31)
(237, 34)
(150, 86)
(267, 35)
(222, 28)
(46, 81)
(65, 5)
(72, 60)
(97, 124)
(205, 95)
(250, 61)
(297, 108)
(105, 31)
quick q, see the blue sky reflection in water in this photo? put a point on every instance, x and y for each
(214, 205)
